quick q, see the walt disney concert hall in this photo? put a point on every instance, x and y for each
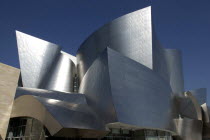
(121, 85)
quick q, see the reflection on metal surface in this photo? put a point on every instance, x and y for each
(98, 91)
(58, 116)
(61, 76)
(138, 85)
(73, 97)
(206, 113)
(174, 65)
(36, 58)
(195, 104)
(131, 35)
(52, 101)
(188, 106)
(189, 129)
(168, 64)
(43, 65)
(206, 121)
(28, 106)
(121, 81)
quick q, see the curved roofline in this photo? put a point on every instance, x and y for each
(114, 20)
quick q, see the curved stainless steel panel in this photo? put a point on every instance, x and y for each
(43, 65)
(188, 106)
(126, 79)
(159, 58)
(57, 115)
(73, 58)
(136, 92)
(189, 129)
(168, 64)
(206, 113)
(28, 106)
(206, 120)
(174, 66)
(71, 115)
(73, 97)
(130, 35)
(195, 104)
(200, 94)
(96, 87)
(142, 46)
(131, 90)
(61, 75)
(36, 58)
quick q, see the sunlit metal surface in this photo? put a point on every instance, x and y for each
(174, 65)
(189, 129)
(73, 97)
(125, 94)
(130, 35)
(29, 106)
(61, 75)
(43, 65)
(206, 113)
(195, 105)
(206, 120)
(188, 107)
(98, 91)
(138, 85)
(159, 58)
(168, 64)
(58, 115)
(73, 58)
(36, 58)
(121, 78)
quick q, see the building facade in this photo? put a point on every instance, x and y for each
(122, 84)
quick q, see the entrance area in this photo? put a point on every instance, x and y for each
(32, 129)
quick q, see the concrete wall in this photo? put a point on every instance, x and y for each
(8, 83)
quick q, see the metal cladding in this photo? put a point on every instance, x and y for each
(73, 97)
(168, 64)
(189, 107)
(120, 78)
(200, 94)
(98, 91)
(43, 65)
(57, 115)
(189, 129)
(138, 84)
(131, 35)
(174, 63)
(36, 57)
(61, 75)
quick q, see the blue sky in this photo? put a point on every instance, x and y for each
(180, 24)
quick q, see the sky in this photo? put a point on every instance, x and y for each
(179, 24)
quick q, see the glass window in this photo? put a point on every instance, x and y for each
(124, 131)
(151, 138)
(161, 133)
(150, 133)
(116, 131)
(162, 138)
